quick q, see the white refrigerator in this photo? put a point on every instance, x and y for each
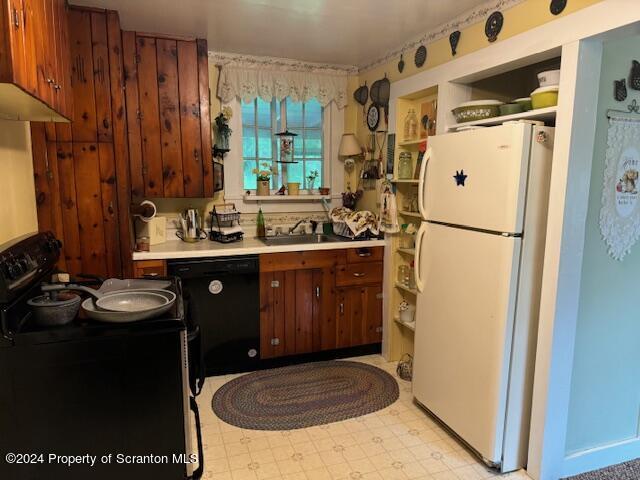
(483, 197)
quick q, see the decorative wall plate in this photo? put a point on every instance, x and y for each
(454, 39)
(401, 64)
(493, 27)
(421, 56)
(373, 117)
(557, 6)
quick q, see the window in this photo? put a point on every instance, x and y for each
(262, 120)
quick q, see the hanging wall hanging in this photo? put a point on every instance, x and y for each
(493, 26)
(620, 212)
(634, 76)
(361, 95)
(421, 56)
(454, 39)
(557, 6)
(401, 64)
(620, 90)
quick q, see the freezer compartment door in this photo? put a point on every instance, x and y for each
(478, 178)
(464, 330)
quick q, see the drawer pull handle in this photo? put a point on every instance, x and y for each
(359, 275)
(364, 254)
(16, 18)
(317, 292)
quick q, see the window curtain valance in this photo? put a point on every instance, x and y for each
(268, 79)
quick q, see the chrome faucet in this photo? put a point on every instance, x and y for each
(314, 225)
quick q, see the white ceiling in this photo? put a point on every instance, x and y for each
(349, 32)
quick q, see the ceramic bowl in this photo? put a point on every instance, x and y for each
(549, 78)
(477, 110)
(544, 97)
(525, 102)
(511, 109)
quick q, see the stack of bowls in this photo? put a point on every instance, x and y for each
(547, 95)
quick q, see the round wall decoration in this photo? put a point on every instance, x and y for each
(454, 39)
(421, 56)
(401, 64)
(373, 117)
(493, 26)
(557, 6)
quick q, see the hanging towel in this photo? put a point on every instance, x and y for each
(388, 212)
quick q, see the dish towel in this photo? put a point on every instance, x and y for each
(388, 212)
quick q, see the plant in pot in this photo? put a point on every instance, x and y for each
(311, 180)
(263, 178)
(349, 198)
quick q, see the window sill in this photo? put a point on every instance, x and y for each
(286, 198)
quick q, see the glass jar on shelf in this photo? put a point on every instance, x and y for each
(408, 236)
(403, 273)
(411, 126)
(405, 166)
(411, 281)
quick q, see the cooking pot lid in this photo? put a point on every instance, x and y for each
(63, 299)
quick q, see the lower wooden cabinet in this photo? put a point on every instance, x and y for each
(358, 315)
(149, 268)
(297, 311)
(316, 302)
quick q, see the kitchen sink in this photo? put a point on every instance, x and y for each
(299, 239)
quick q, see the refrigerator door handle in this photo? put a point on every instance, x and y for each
(421, 183)
(416, 270)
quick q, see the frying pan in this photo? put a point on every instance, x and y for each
(95, 313)
(130, 301)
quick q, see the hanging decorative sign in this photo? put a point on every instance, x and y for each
(557, 6)
(620, 212)
(634, 76)
(493, 27)
(454, 39)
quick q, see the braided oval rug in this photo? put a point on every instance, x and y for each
(304, 395)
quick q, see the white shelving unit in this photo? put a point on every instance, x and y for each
(409, 181)
(406, 289)
(406, 213)
(542, 114)
(411, 326)
(407, 251)
(411, 143)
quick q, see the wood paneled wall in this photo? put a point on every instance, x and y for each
(82, 169)
(167, 92)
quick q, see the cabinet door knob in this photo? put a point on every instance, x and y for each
(16, 18)
(342, 308)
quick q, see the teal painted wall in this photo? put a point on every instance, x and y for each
(605, 387)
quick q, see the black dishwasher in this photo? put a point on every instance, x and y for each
(223, 298)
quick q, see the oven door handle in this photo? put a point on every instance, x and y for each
(195, 346)
(197, 473)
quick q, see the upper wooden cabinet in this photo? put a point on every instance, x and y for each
(35, 73)
(169, 128)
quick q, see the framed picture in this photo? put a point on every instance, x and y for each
(218, 176)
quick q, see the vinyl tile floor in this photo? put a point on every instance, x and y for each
(400, 442)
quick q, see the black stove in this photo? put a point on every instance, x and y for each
(91, 388)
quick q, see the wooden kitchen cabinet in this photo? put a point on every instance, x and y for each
(358, 315)
(169, 130)
(312, 301)
(297, 312)
(149, 268)
(35, 77)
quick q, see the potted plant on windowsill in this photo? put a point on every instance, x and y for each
(263, 178)
(311, 180)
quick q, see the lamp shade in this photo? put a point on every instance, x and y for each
(349, 146)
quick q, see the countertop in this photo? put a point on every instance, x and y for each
(248, 246)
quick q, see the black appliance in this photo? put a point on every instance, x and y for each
(88, 390)
(223, 295)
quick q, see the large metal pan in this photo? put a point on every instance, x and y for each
(128, 301)
(96, 313)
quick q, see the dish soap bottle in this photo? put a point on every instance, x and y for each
(260, 224)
